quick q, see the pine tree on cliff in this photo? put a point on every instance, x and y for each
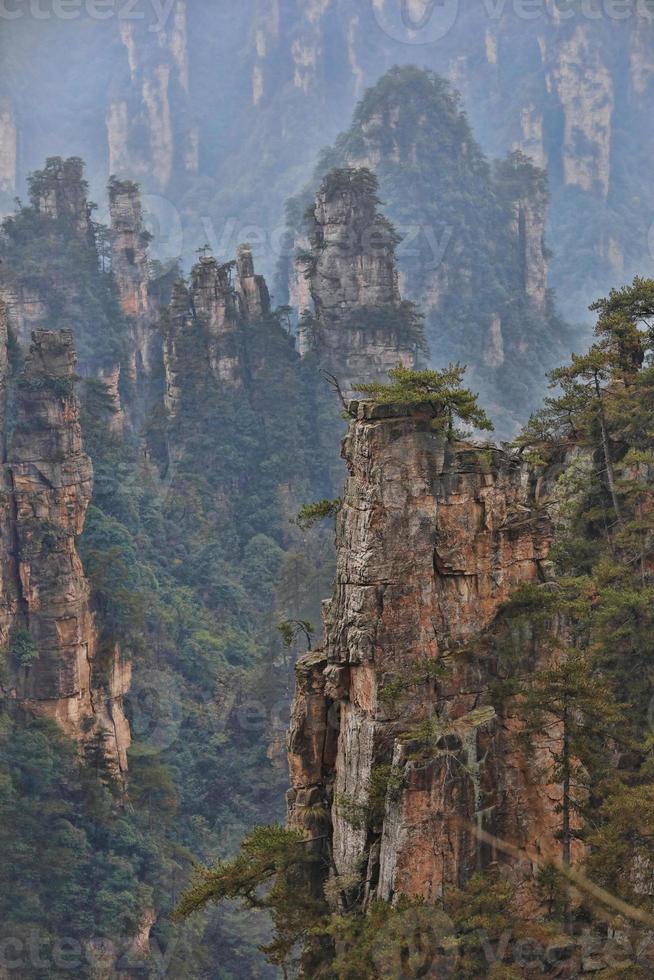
(441, 391)
(590, 385)
(574, 699)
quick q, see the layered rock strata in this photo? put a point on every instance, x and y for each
(432, 539)
(52, 640)
(252, 289)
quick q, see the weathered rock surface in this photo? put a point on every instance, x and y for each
(252, 289)
(25, 307)
(50, 480)
(8, 577)
(203, 327)
(432, 539)
(150, 131)
(585, 88)
(60, 192)
(130, 267)
(357, 328)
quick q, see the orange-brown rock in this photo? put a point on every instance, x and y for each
(50, 484)
(432, 539)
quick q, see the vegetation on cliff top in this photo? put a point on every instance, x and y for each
(442, 391)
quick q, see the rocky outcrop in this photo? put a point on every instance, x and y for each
(59, 191)
(395, 732)
(55, 294)
(527, 187)
(252, 289)
(25, 305)
(204, 325)
(58, 670)
(8, 578)
(175, 326)
(359, 327)
(130, 267)
(530, 213)
(471, 247)
(213, 302)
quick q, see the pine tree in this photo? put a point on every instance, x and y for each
(573, 704)
(442, 391)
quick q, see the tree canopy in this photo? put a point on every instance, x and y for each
(442, 391)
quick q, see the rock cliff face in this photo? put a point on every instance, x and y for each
(252, 289)
(130, 267)
(8, 149)
(59, 191)
(432, 539)
(530, 210)
(203, 327)
(52, 638)
(585, 88)
(8, 578)
(51, 294)
(571, 86)
(25, 306)
(359, 327)
(148, 130)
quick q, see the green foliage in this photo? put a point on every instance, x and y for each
(291, 629)
(22, 649)
(310, 514)
(384, 782)
(423, 672)
(440, 391)
(265, 853)
(358, 181)
(50, 258)
(59, 387)
(88, 876)
(192, 562)
(264, 875)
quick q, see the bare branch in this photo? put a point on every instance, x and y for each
(333, 382)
